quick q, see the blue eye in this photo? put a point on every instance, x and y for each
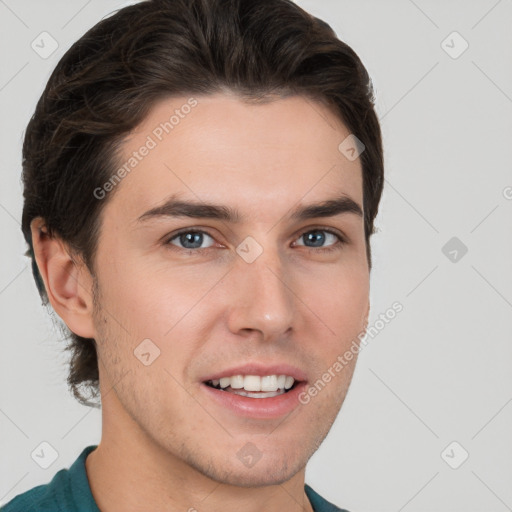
(317, 236)
(191, 240)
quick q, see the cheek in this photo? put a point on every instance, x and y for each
(149, 299)
(350, 300)
(160, 302)
(339, 307)
(340, 296)
(129, 297)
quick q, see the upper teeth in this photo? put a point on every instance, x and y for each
(255, 382)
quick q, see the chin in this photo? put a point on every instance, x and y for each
(265, 475)
(272, 471)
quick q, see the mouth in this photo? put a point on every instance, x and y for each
(256, 390)
(257, 397)
(255, 386)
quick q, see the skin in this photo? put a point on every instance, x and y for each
(161, 434)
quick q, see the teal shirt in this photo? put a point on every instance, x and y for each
(69, 491)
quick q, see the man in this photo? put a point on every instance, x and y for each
(201, 181)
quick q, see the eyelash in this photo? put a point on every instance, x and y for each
(335, 247)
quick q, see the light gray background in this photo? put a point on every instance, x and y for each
(441, 370)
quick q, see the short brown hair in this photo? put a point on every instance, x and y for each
(106, 83)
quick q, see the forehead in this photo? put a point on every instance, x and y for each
(256, 157)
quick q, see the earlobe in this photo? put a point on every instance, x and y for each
(68, 283)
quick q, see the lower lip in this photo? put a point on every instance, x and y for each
(262, 408)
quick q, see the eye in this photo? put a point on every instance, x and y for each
(317, 237)
(190, 239)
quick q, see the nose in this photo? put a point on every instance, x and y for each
(262, 298)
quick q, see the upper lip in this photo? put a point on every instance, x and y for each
(259, 369)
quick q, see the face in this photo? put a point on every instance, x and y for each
(188, 297)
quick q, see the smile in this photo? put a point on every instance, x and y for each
(254, 386)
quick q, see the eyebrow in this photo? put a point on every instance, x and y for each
(178, 208)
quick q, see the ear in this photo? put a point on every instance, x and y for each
(68, 283)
